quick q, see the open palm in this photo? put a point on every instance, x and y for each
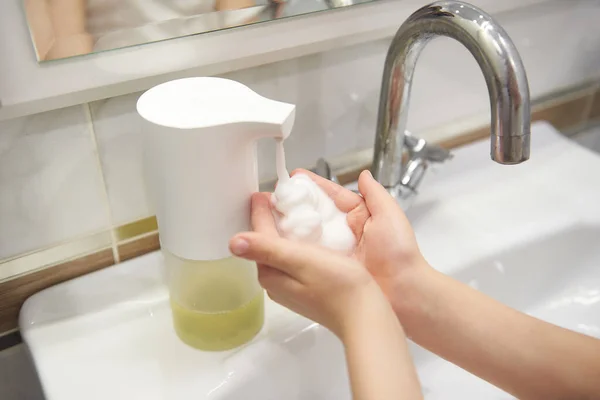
(385, 240)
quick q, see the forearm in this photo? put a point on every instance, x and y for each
(525, 356)
(379, 363)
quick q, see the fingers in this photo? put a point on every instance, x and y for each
(378, 199)
(293, 258)
(261, 215)
(345, 200)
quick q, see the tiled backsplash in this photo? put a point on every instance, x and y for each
(50, 182)
(71, 179)
(119, 138)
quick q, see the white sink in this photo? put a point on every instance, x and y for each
(555, 278)
(527, 235)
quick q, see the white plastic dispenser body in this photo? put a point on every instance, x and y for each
(201, 169)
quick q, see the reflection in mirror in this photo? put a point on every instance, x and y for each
(67, 28)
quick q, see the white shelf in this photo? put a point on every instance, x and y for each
(27, 87)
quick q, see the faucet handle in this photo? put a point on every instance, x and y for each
(421, 154)
(420, 148)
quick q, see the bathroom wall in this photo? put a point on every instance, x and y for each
(68, 177)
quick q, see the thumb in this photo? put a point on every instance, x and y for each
(296, 259)
(378, 199)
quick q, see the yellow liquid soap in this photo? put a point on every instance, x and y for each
(216, 304)
(221, 330)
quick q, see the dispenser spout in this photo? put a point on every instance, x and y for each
(203, 103)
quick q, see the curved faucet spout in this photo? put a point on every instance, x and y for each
(498, 59)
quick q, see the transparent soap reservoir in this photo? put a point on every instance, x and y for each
(216, 305)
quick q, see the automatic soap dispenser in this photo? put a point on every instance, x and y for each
(201, 170)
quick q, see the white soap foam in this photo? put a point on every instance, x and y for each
(307, 213)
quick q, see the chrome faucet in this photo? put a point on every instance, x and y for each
(504, 74)
(400, 159)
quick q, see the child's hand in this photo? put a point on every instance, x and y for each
(386, 244)
(313, 281)
(319, 283)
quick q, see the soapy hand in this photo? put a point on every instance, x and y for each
(316, 282)
(311, 280)
(385, 242)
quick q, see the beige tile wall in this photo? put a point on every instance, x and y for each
(117, 127)
(50, 184)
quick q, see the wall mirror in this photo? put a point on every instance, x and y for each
(68, 28)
